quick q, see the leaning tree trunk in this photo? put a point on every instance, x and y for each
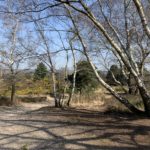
(143, 91)
(124, 101)
(145, 97)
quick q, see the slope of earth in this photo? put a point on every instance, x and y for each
(50, 128)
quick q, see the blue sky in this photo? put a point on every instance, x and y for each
(55, 42)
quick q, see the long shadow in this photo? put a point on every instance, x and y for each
(85, 112)
(77, 129)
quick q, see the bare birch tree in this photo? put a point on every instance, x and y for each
(12, 54)
(50, 63)
(128, 61)
(74, 74)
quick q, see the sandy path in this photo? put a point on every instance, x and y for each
(55, 129)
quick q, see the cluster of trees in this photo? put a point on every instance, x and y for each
(105, 31)
(85, 79)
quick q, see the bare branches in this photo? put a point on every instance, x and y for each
(109, 88)
(142, 16)
(33, 10)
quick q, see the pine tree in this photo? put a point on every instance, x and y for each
(40, 72)
(85, 78)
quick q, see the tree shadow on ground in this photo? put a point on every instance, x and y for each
(76, 129)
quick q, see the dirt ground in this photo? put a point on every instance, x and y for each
(39, 127)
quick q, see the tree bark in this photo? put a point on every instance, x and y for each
(13, 91)
(54, 89)
(132, 87)
(74, 76)
(146, 98)
(142, 16)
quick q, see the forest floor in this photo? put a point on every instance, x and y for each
(39, 126)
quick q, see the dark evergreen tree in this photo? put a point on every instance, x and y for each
(85, 77)
(40, 72)
(117, 73)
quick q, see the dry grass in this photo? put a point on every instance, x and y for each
(93, 100)
(101, 97)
